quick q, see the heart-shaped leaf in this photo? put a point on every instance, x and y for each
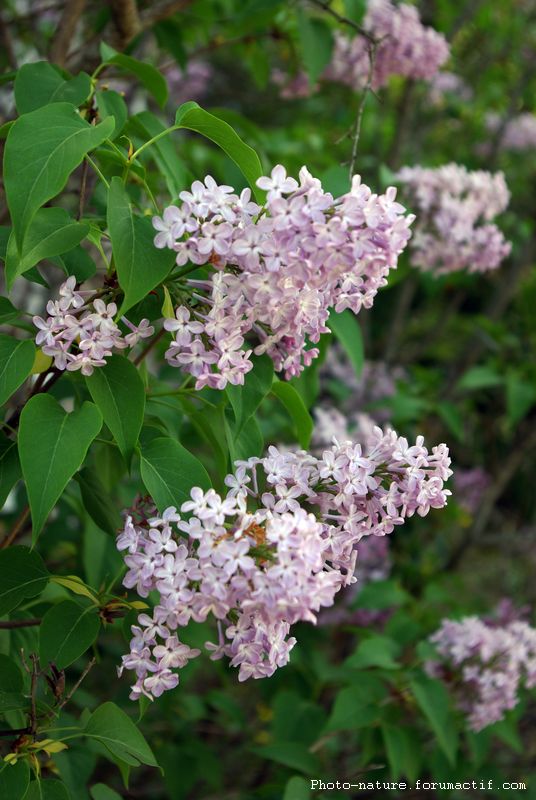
(52, 446)
(36, 167)
(118, 391)
(40, 83)
(9, 467)
(66, 632)
(140, 266)
(22, 574)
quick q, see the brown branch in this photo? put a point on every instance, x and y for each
(33, 692)
(59, 49)
(160, 11)
(19, 623)
(5, 37)
(372, 50)
(18, 529)
(78, 683)
(126, 20)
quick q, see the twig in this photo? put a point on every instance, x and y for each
(17, 530)
(8, 44)
(19, 623)
(78, 683)
(83, 184)
(149, 347)
(325, 5)
(33, 691)
(160, 11)
(372, 50)
(126, 20)
(59, 50)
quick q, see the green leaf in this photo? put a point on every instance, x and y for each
(140, 266)
(351, 710)
(453, 419)
(111, 104)
(66, 632)
(380, 594)
(482, 377)
(247, 398)
(151, 78)
(102, 792)
(51, 232)
(316, 44)
(248, 442)
(49, 789)
(9, 467)
(14, 779)
(292, 754)
(433, 700)
(11, 701)
(52, 446)
(118, 391)
(16, 362)
(40, 83)
(295, 406)
(347, 330)
(79, 263)
(8, 312)
(111, 726)
(297, 789)
(22, 574)
(97, 502)
(36, 168)
(163, 151)
(403, 751)
(169, 472)
(194, 118)
(520, 397)
(376, 651)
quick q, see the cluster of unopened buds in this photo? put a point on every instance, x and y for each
(80, 331)
(273, 272)
(455, 212)
(485, 664)
(272, 552)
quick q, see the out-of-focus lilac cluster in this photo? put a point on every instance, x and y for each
(469, 486)
(517, 134)
(273, 551)
(484, 665)
(190, 83)
(406, 47)
(80, 331)
(444, 84)
(274, 271)
(456, 208)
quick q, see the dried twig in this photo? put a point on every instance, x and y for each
(78, 683)
(19, 623)
(18, 529)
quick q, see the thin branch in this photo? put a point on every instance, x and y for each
(160, 11)
(33, 692)
(18, 529)
(126, 20)
(149, 347)
(325, 5)
(59, 50)
(19, 623)
(5, 37)
(372, 51)
(78, 683)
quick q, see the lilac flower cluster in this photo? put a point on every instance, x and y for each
(406, 47)
(274, 271)
(80, 331)
(443, 84)
(272, 552)
(517, 134)
(485, 665)
(470, 485)
(455, 208)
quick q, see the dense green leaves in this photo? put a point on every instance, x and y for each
(40, 83)
(316, 44)
(194, 118)
(140, 266)
(163, 151)
(102, 792)
(22, 574)
(169, 472)
(376, 651)
(119, 393)
(111, 104)
(52, 446)
(36, 168)
(295, 406)
(51, 232)
(150, 77)
(47, 789)
(403, 751)
(111, 727)
(66, 632)
(16, 361)
(292, 754)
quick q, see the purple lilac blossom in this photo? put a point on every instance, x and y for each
(484, 666)
(456, 208)
(469, 486)
(80, 331)
(518, 134)
(272, 552)
(274, 271)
